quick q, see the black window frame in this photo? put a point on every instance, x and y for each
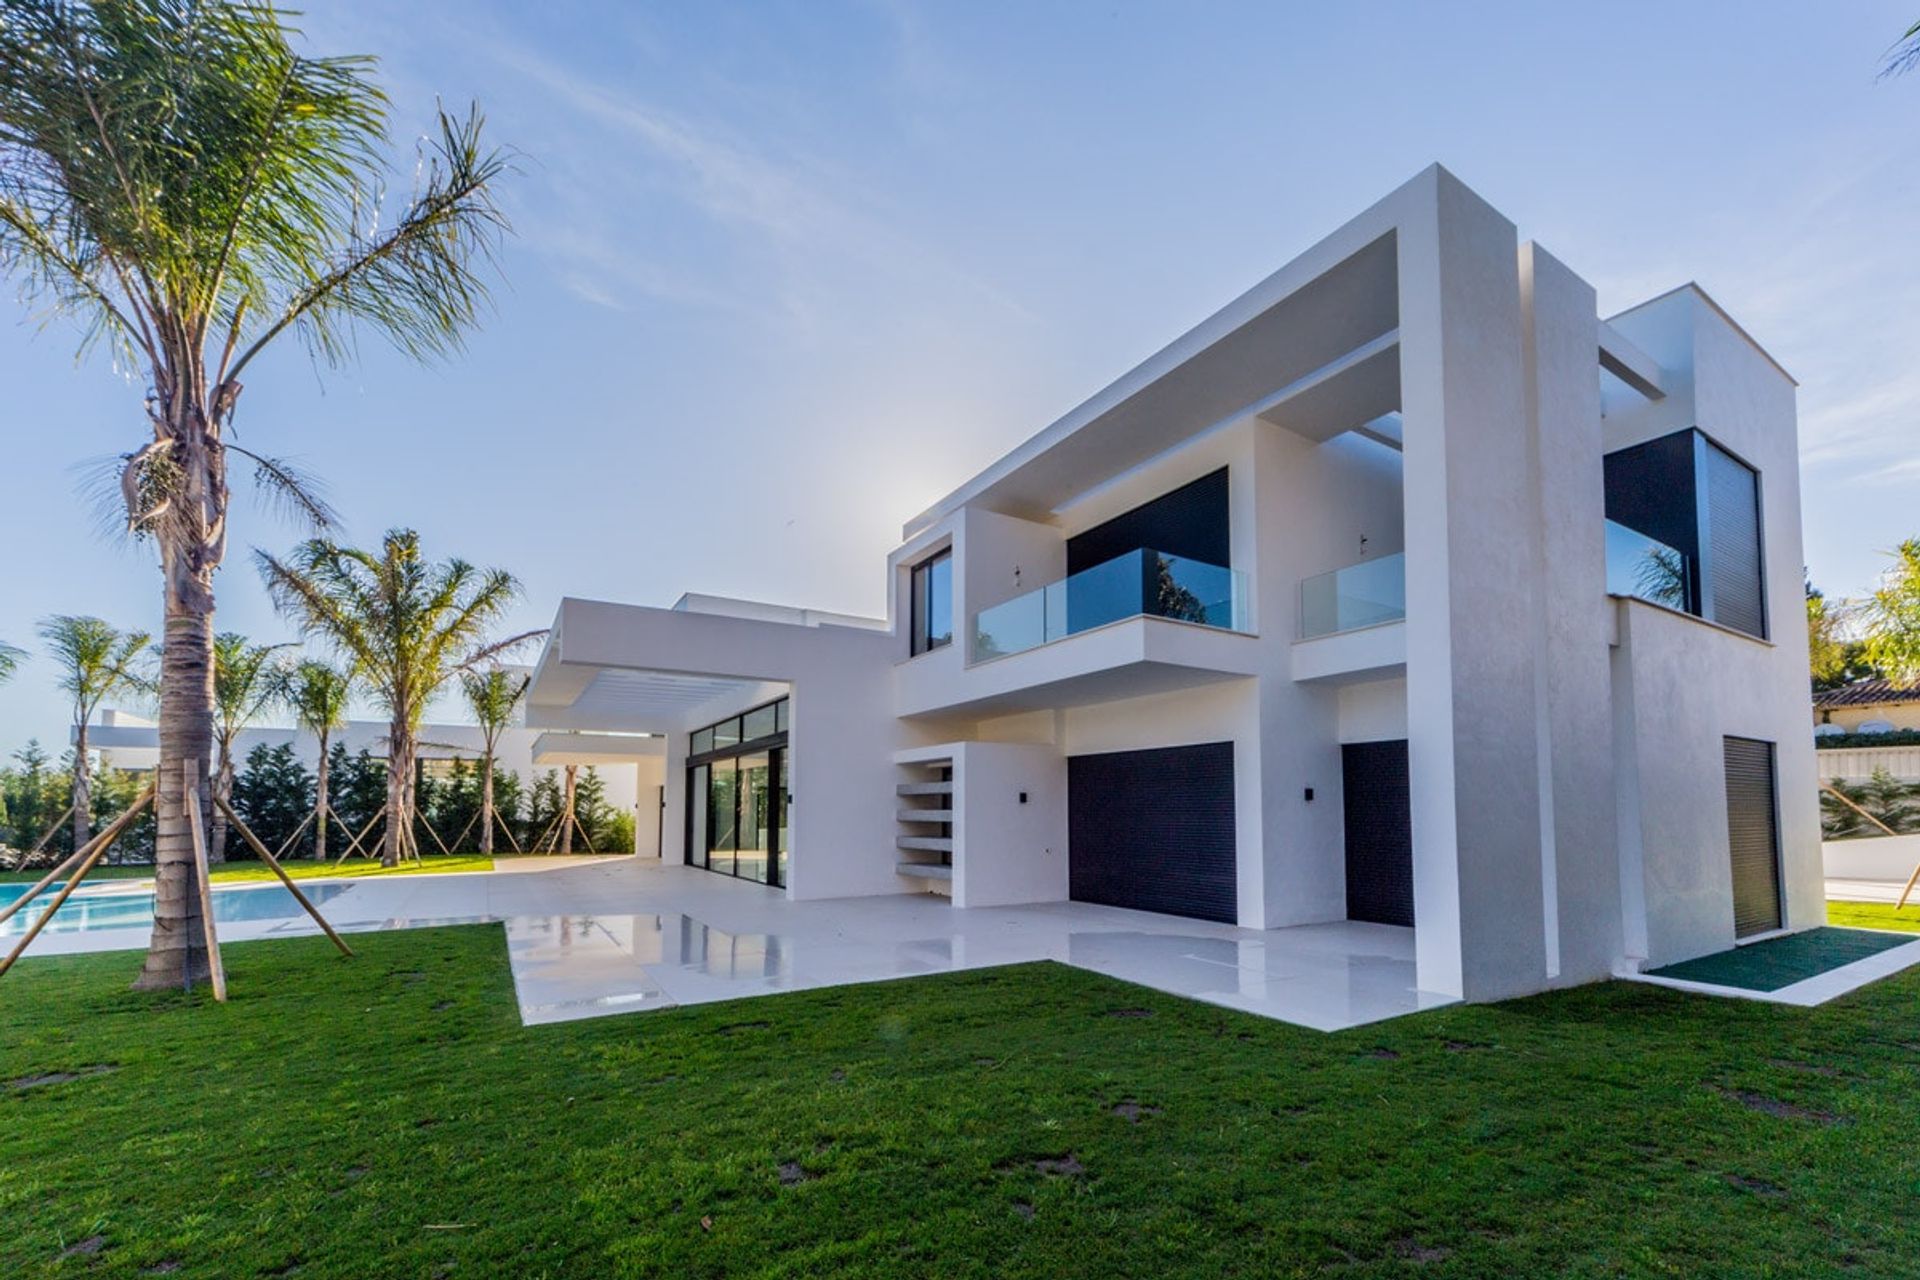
(920, 600)
(779, 762)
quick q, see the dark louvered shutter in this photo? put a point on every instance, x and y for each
(1734, 561)
(1379, 817)
(1190, 522)
(1753, 837)
(1153, 830)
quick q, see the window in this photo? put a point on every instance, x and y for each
(759, 723)
(933, 602)
(1684, 530)
(737, 795)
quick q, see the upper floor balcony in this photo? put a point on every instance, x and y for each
(1648, 569)
(1141, 583)
(1369, 594)
(1352, 621)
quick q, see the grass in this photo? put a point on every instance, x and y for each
(299, 869)
(389, 1116)
(1875, 915)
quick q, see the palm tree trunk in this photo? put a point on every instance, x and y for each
(566, 810)
(320, 805)
(486, 804)
(82, 788)
(223, 788)
(177, 952)
(393, 845)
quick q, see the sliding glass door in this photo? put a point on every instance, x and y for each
(736, 796)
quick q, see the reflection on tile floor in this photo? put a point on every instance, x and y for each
(622, 935)
(697, 942)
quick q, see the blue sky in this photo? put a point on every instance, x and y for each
(785, 273)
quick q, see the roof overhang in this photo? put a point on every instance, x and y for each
(564, 748)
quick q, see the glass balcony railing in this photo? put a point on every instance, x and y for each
(1648, 569)
(1138, 584)
(1361, 595)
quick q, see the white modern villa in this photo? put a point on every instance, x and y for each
(1405, 589)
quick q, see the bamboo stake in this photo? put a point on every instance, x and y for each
(99, 846)
(112, 829)
(436, 837)
(41, 843)
(284, 844)
(1846, 800)
(215, 969)
(506, 829)
(363, 831)
(253, 842)
(461, 838)
(1911, 881)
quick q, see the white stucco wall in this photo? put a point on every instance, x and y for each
(1884, 858)
(1684, 687)
(1006, 849)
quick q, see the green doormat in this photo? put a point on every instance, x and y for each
(1781, 962)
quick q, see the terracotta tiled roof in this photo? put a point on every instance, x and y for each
(1866, 693)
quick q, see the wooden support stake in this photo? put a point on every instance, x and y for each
(436, 838)
(355, 844)
(465, 831)
(41, 843)
(1911, 881)
(284, 844)
(190, 775)
(253, 842)
(506, 829)
(1846, 800)
(112, 830)
(98, 846)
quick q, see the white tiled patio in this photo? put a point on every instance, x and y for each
(606, 936)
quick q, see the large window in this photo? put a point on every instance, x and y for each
(737, 795)
(933, 602)
(1684, 530)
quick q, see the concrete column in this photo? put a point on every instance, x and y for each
(1471, 525)
(1573, 690)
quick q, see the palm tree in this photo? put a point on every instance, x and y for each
(408, 625)
(189, 189)
(317, 693)
(245, 681)
(96, 661)
(492, 695)
(9, 660)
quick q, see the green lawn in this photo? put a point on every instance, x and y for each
(299, 869)
(389, 1116)
(1875, 915)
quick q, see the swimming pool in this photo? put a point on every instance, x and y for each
(110, 906)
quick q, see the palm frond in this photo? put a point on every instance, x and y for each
(95, 658)
(408, 625)
(1903, 55)
(10, 660)
(291, 490)
(418, 283)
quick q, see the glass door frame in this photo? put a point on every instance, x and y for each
(773, 746)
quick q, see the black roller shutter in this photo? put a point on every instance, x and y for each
(1379, 816)
(1753, 837)
(1153, 830)
(1734, 565)
(1190, 522)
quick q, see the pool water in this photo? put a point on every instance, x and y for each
(109, 906)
